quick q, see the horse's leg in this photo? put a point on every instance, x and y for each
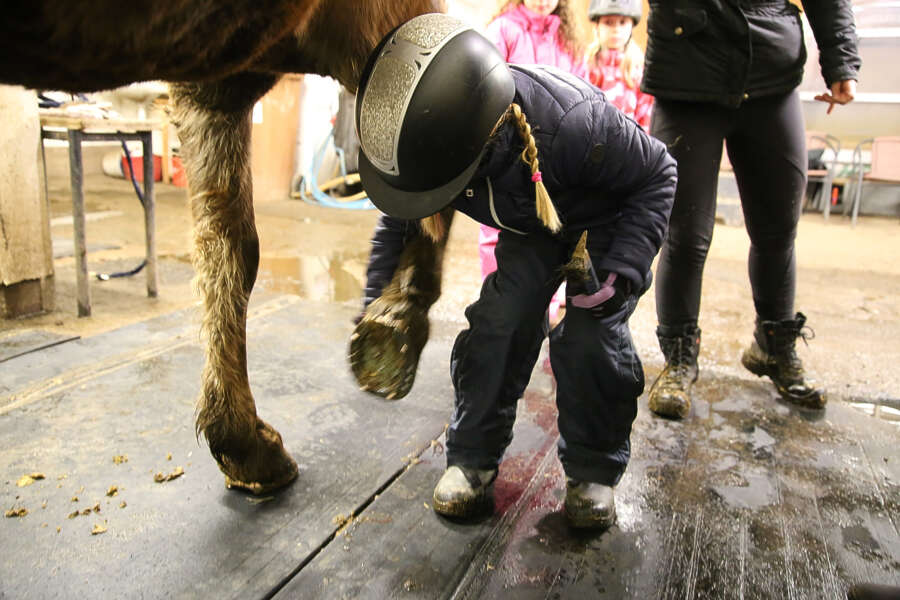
(386, 345)
(214, 127)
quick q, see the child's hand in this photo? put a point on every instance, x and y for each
(606, 301)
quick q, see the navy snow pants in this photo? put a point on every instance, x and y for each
(599, 375)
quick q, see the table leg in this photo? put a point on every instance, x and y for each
(76, 174)
(150, 214)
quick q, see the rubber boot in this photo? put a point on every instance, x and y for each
(590, 505)
(670, 394)
(463, 492)
(773, 354)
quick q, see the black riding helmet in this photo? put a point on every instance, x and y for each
(428, 99)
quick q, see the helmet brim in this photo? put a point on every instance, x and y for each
(403, 204)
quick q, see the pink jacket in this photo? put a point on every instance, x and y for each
(606, 74)
(525, 37)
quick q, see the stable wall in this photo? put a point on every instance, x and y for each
(26, 253)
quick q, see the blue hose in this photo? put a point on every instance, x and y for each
(320, 197)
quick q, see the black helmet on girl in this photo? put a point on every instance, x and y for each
(628, 8)
(428, 100)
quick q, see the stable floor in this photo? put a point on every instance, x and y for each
(747, 498)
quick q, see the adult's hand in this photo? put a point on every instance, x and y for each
(842, 92)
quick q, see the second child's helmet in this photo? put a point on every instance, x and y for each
(628, 8)
(428, 99)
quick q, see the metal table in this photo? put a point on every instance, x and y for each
(56, 124)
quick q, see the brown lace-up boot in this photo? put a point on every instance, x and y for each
(670, 394)
(773, 354)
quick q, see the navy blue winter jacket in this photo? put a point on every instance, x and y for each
(600, 169)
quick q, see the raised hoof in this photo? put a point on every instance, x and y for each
(264, 468)
(384, 353)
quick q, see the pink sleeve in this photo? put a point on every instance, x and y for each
(496, 32)
(643, 110)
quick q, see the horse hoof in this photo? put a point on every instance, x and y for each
(384, 357)
(266, 467)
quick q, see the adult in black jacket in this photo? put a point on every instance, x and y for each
(497, 142)
(728, 70)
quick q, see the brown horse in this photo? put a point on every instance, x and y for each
(221, 58)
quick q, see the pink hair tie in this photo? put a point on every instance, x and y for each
(536, 176)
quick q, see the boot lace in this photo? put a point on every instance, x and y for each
(679, 364)
(791, 366)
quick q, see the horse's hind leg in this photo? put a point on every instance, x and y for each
(214, 127)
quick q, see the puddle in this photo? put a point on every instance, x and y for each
(888, 411)
(337, 277)
(758, 492)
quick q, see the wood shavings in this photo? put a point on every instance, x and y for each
(29, 479)
(169, 456)
(16, 512)
(340, 520)
(98, 529)
(123, 505)
(74, 499)
(160, 478)
(112, 491)
(120, 458)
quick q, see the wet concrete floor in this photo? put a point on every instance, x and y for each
(747, 498)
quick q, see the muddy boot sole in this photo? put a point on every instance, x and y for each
(459, 509)
(813, 399)
(591, 521)
(672, 404)
(463, 493)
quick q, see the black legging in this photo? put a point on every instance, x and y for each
(766, 145)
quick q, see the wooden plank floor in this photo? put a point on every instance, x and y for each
(747, 498)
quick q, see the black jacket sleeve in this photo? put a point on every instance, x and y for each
(636, 172)
(390, 238)
(835, 31)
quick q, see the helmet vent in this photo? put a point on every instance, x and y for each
(383, 106)
(428, 31)
(397, 70)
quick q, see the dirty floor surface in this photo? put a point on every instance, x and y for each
(746, 498)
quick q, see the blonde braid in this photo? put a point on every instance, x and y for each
(546, 212)
(433, 226)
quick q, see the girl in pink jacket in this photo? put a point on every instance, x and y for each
(533, 32)
(615, 61)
